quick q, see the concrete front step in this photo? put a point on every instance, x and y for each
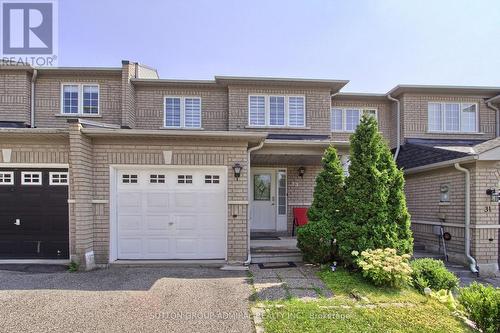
(418, 247)
(274, 250)
(418, 254)
(272, 257)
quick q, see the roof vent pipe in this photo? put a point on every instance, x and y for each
(472, 261)
(398, 125)
(32, 106)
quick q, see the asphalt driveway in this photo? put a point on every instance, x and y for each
(120, 299)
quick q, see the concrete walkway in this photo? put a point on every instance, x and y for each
(283, 283)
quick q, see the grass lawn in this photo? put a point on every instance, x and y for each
(357, 306)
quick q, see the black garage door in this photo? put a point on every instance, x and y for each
(34, 214)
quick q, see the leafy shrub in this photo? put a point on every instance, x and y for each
(374, 213)
(315, 241)
(384, 267)
(431, 273)
(482, 305)
(445, 297)
(73, 267)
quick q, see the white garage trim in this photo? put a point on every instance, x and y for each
(114, 171)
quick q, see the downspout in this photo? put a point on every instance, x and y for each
(472, 261)
(497, 114)
(250, 150)
(398, 125)
(32, 116)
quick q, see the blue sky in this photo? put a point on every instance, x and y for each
(374, 44)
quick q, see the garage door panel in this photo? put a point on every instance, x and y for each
(213, 246)
(157, 223)
(130, 200)
(171, 220)
(130, 223)
(158, 246)
(211, 201)
(211, 228)
(130, 246)
(184, 200)
(34, 218)
(186, 248)
(157, 203)
(186, 225)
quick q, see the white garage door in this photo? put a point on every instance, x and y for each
(168, 213)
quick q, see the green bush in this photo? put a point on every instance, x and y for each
(482, 306)
(431, 273)
(384, 267)
(329, 188)
(315, 239)
(374, 213)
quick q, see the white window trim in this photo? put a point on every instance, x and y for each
(344, 117)
(80, 98)
(157, 179)
(58, 173)
(443, 120)
(129, 179)
(183, 112)
(11, 173)
(31, 172)
(267, 111)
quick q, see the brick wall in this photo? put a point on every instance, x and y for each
(128, 106)
(15, 92)
(81, 184)
(423, 195)
(150, 105)
(193, 152)
(384, 115)
(485, 174)
(423, 201)
(416, 120)
(317, 108)
(48, 98)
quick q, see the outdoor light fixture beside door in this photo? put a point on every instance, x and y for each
(493, 194)
(302, 171)
(237, 170)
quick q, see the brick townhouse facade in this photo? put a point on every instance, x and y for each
(107, 164)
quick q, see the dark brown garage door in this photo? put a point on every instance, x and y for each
(34, 214)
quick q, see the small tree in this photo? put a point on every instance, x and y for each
(315, 239)
(374, 212)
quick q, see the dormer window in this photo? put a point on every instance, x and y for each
(80, 99)
(452, 117)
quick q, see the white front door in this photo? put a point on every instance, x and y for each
(171, 213)
(263, 200)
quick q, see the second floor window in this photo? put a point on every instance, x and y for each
(183, 112)
(346, 120)
(276, 111)
(80, 99)
(452, 117)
